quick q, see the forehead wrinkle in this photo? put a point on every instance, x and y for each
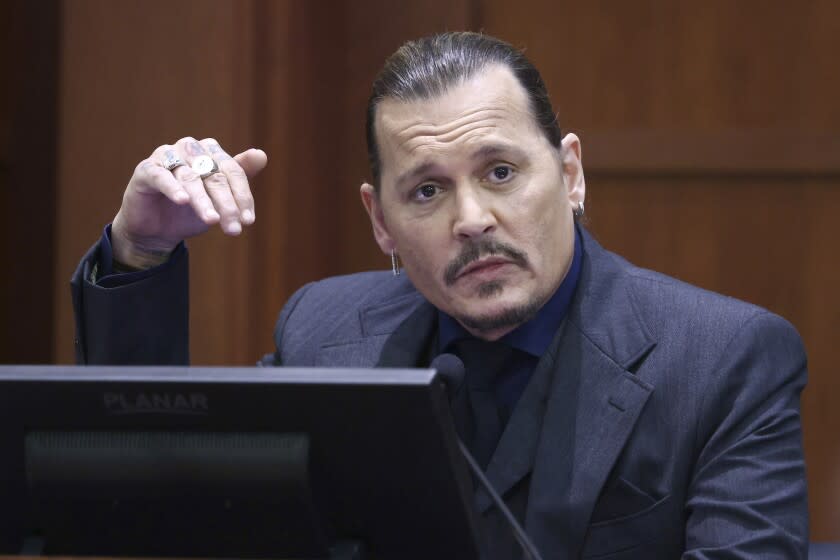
(489, 103)
(467, 132)
(434, 129)
(428, 163)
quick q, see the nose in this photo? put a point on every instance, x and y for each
(474, 216)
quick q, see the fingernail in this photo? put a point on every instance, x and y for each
(212, 215)
(247, 216)
(235, 228)
(181, 196)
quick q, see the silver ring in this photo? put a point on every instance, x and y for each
(172, 161)
(204, 166)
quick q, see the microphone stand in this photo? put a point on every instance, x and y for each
(451, 370)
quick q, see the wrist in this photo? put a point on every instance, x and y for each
(134, 258)
(130, 254)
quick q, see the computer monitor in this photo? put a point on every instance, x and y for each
(231, 462)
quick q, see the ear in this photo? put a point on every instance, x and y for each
(573, 170)
(370, 200)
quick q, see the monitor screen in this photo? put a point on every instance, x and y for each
(231, 462)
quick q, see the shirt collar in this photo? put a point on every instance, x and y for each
(534, 336)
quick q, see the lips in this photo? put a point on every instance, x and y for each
(496, 255)
(481, 264)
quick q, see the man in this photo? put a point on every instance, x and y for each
(628, 415)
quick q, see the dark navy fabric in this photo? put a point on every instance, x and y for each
(475, 410)
(144, 321)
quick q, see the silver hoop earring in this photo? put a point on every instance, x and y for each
(395, 263)
(578, 212)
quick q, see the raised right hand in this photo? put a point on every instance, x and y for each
(161, 208)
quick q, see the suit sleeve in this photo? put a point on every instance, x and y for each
(748, 495)
(145, 322)
(276, 358)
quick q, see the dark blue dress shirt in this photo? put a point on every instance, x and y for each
(531, 339)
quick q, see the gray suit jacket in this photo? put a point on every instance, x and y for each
(663, 422)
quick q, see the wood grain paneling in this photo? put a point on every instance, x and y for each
(731, 152)
(291, 77)
(28, 104)
(130, 81)
(657, 64)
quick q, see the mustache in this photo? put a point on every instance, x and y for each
(475, 249)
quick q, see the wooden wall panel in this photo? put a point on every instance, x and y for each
(291, 77)
(681, 65)
(135, 75)
(28, 99)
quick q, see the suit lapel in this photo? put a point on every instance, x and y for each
(410, 344)
(592, 407)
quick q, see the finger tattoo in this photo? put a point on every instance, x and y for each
(218, 153)
(194, 149)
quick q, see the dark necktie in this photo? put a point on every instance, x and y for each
(483, 361)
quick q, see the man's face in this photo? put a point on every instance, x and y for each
(476, 201)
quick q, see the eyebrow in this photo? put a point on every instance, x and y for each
(493, 150)
(484, 152)
(421, 169)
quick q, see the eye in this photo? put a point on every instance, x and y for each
(425, 192)
(501, 174)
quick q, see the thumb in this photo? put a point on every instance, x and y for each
(252, 161)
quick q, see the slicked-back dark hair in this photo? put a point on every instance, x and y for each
(428, 67)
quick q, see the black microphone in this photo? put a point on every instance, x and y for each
(451, 371)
